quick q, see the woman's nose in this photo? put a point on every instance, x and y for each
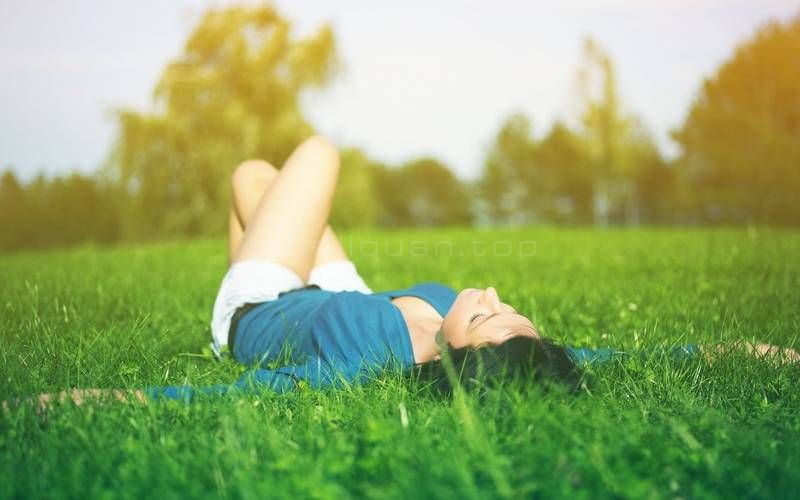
(492, 300)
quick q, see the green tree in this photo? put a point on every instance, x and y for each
(392, 195)
(656, 186)
(357, 203)
(79, 208)
(561, 157)
(613, 137)
(14, 213)
(59, 211)
(741, 139)
(422, 192)
(509, 179)
(591, 174)
(232, 94)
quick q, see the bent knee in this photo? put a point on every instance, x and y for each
(322, 149)
(252, 172)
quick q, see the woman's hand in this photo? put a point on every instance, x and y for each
(785, 355)
(44, 402)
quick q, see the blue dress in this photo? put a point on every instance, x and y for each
(320, 338)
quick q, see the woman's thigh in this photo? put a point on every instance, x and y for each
(290, 218)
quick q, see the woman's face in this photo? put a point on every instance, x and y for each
(477, 317)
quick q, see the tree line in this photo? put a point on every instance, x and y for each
(234, 94)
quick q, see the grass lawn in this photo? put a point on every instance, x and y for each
(135, 316)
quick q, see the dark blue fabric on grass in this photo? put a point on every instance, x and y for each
(321, 339)
(584, 357)
(288, 378)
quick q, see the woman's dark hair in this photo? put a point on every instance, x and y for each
(522, 358)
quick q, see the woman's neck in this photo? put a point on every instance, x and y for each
(423, 338)
(423, 322)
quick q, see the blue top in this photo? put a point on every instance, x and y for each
(322, 339)
(340, 329)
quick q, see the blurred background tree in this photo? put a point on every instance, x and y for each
(422, 192)
(509, 176)
(232, 95)
(607, 169)
(565, 165)
(741, 140)
(618, 145)
(59, 211)
(14, 218)
(604, 128)
(357, 202)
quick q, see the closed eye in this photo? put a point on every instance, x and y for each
(474, 316)
(471, 319)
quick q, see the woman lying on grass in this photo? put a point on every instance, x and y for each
(293, 301)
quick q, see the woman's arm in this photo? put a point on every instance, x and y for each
(43, 402)
(280, 380)
(762, 351)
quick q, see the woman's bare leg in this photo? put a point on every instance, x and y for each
(235, 233)
(251, 180)
(290, 218)
(330, 249)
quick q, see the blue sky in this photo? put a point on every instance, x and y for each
(420, 77)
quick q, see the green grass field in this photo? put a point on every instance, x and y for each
(136, 316)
